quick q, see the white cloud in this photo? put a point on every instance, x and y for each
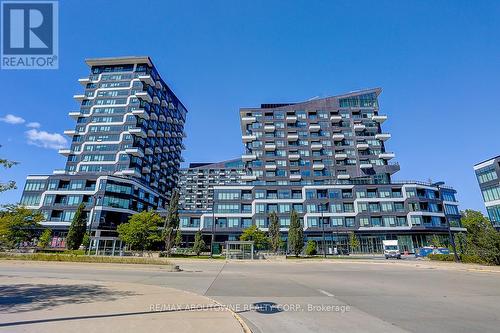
(46, 140)
(11, 119)
(33, 124)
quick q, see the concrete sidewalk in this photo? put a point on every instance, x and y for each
(63, 305)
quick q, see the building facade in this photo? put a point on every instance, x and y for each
(488, 177)
(196, 183)
(326, 159)
(125, 150)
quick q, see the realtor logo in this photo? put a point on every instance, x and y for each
(29, 35)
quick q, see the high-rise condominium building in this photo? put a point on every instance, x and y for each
(326, 159)
(196, 183)
(488, 177)
(125, 149)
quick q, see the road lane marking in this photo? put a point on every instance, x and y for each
(326, 293)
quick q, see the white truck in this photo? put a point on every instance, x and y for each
(391, 249)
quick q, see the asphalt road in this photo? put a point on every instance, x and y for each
(316, 296)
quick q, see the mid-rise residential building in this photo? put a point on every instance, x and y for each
(196, 183)
(125, 150)
(327, 160)
(488, 177)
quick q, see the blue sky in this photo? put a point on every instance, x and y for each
(437, 62)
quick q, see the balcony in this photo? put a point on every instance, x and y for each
(146, 169)
(130, 172)
(160, 134)
(153, 116)
(151, 133)
(386, 156)
(148, 151)
(248, 157)
(293, 157)
(84, 81)
(147, 79)
(64, 152)
(365, 166)
(343, 177)
(248, 138)
(292, 137)
(362, 146)
(270, 167)
(338, 137)
(248, 178)
(137, 131)
(156, 100)
(270, 146)
(59, 172)
(314, 127)
(74, 114)
(335, 119)
(340, 156)
(144, 95)
(156, 167)
(379, 118)
(269, 128)
(291, 119)
(141, 113)
(162, 118)
(295, 177)
(134, 152)
(318, 166)
(316, 146)
(247, 120)
(70, 132)
(79, 97)
(359, 127)
(382, 136)
(158, 150)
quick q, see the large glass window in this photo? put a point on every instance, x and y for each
(486, 174)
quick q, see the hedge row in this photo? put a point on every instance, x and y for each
(465, 258)
(83, 258)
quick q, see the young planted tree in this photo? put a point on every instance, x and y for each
(77, 229)
(353, 241)
(311, 248)
(274, 232)
(18, 225)
(256, 235)
(199, 243)
(435, 241)
(7, 165)
(178, 238)
(142, 231)
(171, 223)
(295, 235)
(45, 238)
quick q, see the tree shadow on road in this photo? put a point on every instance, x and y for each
(30, 297)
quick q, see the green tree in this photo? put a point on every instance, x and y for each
(77, 228)
(252, 233)
(171, 223)
(142, 231)
(460, 243)
(353, 241)
(274, 232)
(86, 240)
(199, 243)
(482, 240)
(17, 225)
(45, 238)
(310, 247)
(295, 235)
(178, 237)
(435, 241)
(7, 165)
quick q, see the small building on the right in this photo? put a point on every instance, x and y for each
(488, 177)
